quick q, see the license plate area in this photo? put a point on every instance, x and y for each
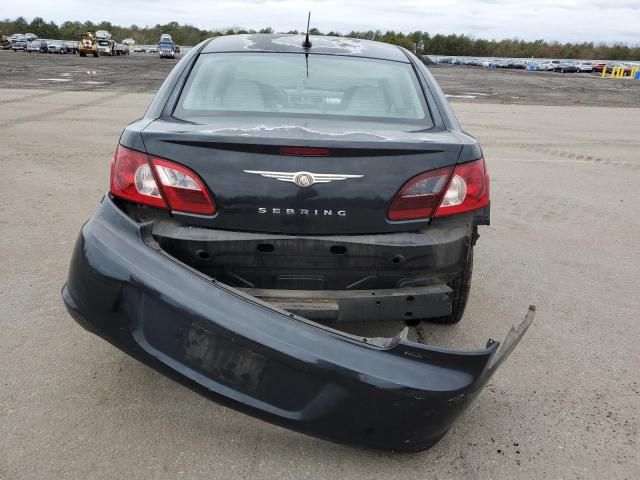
(223, 360)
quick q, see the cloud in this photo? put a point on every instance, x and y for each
(563, 20)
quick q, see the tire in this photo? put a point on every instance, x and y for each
(461, 287)
(83, 54)
(96, 55)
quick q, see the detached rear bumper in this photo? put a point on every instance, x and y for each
(384, 393)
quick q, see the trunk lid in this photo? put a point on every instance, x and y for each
(253, 183)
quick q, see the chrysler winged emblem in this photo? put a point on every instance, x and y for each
(303, 179)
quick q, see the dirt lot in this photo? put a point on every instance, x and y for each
(565, 236)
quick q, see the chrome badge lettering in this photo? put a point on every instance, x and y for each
(318, 212)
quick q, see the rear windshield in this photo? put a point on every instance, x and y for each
(288, 84)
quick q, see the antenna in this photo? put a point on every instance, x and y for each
(307, 43)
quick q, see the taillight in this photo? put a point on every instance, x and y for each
(132, 178)
(468, 189)
(420, 196)
(181, 190)
(442, 192)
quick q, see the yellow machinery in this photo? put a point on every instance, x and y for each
(87, 44)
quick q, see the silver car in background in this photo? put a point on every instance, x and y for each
(37, 46)
(19, 43)
(586, 67)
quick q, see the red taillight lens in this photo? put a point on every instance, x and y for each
(468, 189)
(133, 178)
(425, 196)
(420, 196)
(182, 188)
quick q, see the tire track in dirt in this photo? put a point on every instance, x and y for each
(559, 152)
(28, 97)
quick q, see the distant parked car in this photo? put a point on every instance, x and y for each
(552, 65)
(153, 50)
(586, 67)
(566, 66)
(37, 46)
(545, 66)
(121, 49)
(517, 64)
(106, 46)
(138, 50)
(19, 44)
(57, 46)
(72, 46)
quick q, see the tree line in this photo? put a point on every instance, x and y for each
(419, 42)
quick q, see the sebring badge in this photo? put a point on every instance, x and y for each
(303, 179)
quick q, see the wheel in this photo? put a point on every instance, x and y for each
(83, 54)
(461, 287)
(96, 55)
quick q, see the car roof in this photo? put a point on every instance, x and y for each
(291, 43)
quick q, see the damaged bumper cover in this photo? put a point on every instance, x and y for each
(388, 393)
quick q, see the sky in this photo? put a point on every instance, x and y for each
(562, 20)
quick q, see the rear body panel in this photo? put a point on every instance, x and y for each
(380, 162)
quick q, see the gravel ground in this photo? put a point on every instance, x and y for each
(565, 236)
